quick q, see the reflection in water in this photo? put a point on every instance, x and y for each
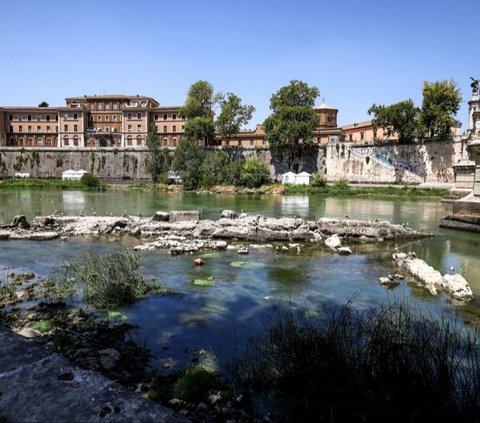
(295, 205)
(73, 202)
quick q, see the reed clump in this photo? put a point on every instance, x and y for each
(392, 363)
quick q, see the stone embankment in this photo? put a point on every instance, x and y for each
(454, 285)
(184, 231)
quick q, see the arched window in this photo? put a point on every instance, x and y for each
(65, 140)
(139, 140)
(30, 141)
(174, 142)
(12, 141)
(39, 141)
(165, 141)
(129, 140)
(48, 141)
(75, 140)
(20, 141)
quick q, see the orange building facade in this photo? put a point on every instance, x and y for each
(91, 121)
(124, 121)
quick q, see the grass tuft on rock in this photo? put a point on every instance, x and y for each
(194, 383)
(43, 326)
(392, 364)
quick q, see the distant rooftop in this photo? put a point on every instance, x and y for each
(324, 106)
(111, 97)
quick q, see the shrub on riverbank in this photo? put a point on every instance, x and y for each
(390, 364)
(107, 281)
(377, 191)
(54, 183)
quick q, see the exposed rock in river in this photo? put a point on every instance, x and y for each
(453, 285)
(183, 231)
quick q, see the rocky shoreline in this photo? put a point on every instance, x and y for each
(184, 231)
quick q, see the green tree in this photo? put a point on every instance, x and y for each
(232, 115)
(441, 102)
(292, 122)
(401, 118)
(43, 104)
(198, 110)
(234, 172)
(254, 174)
(187, 162)
(158, 159)
(214, 168)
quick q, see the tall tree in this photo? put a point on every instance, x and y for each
(441, 102)
(43, 104)
(290, 126)
(401, 118)
(198, 110)
(232, 115)
(158, 160)
(187, 161)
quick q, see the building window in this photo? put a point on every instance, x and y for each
(114, 118)
(183, 127)
(75, 128)
(48, 128)
(65, 128)
(39, 117)
(29, 129)
(129, 128)
(165, 141)
(129, 140)
(156, 117)
(20, 128)
(65, 140)
(39, 141)
(20, 117)
(12, 141)
(174, 142)
(100, 106)
(350, 137)
(115, 106)
(10, 117)
(165, 129)
(174, 116)
(11, 128)
(107, 119)
(107, 106)
(375, 134)
(90, 118)
(139, 115)
(48, 141)
(362, 136)
(107, 129)
(165, 117)
(48, 118)
(139, 140)
(174, 128)
(30, 141)
(99, 118)
(29, 117)
(65, 116)
(129, 116)
(20, 141)
(75, 116)
(75, 141)
(139, 128)
(39, 129)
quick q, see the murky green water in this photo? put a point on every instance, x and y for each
(220, 317)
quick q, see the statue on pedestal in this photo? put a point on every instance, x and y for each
(475, 85)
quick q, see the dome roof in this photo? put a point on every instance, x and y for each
(324, 106)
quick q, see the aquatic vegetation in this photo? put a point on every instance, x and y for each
(110, 280)
(393, 363)
(247, 264)
(43, 325)
(204, 282)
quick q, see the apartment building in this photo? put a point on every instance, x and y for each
(91, 121)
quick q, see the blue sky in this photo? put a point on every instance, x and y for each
(356, 52)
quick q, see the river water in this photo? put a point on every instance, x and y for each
(219, 318)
